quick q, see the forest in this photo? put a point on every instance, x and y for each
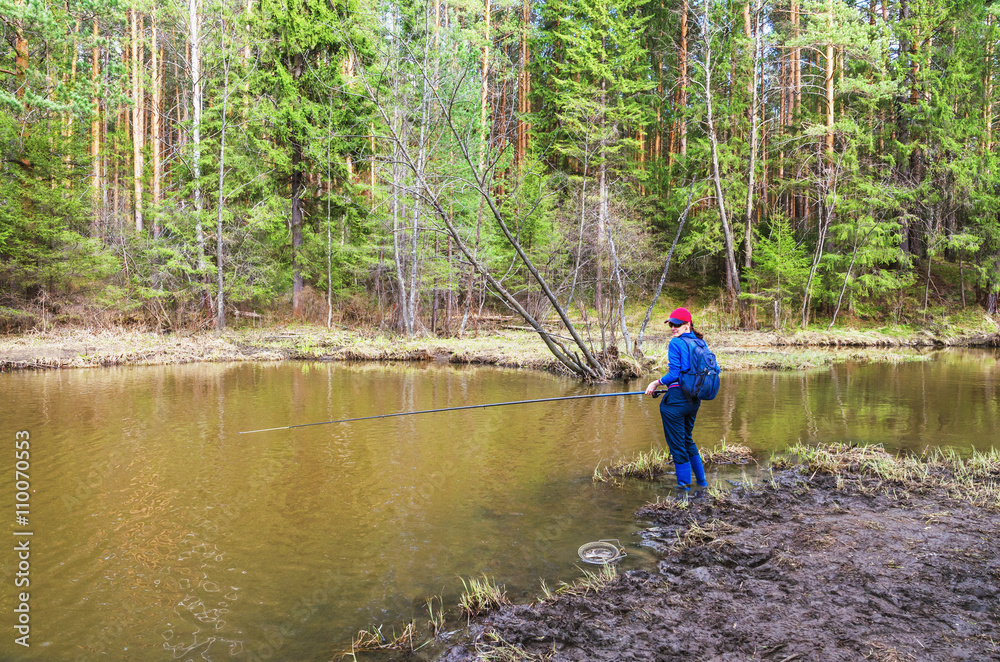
(416, 166)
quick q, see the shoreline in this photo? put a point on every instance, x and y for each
(736, 350)
(850, 553)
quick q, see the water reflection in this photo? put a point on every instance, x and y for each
(163, 534)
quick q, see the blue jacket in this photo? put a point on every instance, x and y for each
(678, 358)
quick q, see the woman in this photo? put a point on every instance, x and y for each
(677, 410)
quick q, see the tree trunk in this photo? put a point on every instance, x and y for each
(826, 212)
(602, 224)
(402, 305)
(796, 64)
(656, 144)
(988, 84)
(993, 299)
(297, 190)
(20, 60)
(220, 312)
(74, 47)
(329, 222)
(154, 130)
(583, 222)
(371, 169)
(524, 106)
(95, 133)
(196, 101)
(732, 276)
(829, 83)
(484, 134)
(682, 97)
(398, 130)
(112, 156)
(752, 167)
(248, 12)
(663, 276)
(422, 157)
(137, 117)
(619, 286)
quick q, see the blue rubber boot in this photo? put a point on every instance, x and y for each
(683, 475)
(699, 470)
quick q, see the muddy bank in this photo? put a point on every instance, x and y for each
(77, 348)
(986, 336)
(808, 566)
(80, 348)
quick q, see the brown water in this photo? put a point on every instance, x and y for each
(162, 534)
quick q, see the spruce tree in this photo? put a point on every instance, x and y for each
(302, 50)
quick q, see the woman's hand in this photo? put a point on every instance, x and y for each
(652, 387)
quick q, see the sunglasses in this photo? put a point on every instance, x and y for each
(674, 326)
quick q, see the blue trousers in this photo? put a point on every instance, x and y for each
(678, 413)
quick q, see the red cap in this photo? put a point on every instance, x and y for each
(679, 316)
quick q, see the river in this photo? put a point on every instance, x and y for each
(160, 533)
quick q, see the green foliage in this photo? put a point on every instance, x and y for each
(912, 186)
(781, 266)
(44, 245)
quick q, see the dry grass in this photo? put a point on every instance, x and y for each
(809, 358)
(884, 653)
(704, 534)
(374, 640)
(591, 581)
(670, 504)
(80, 349)
(975, 479)
(496, 649)
(508, 346)
(726, 453)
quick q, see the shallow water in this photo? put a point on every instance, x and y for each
(160, 533)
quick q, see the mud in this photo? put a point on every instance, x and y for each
(802, 568)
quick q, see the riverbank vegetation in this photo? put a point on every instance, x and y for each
(421, 167)
(71, 347)
(657, 462)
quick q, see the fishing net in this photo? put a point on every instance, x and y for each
(602, 551)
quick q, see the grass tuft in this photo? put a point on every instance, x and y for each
(726, 453)
(698, 534)
(592, 580)
(657, 462)
(499, 650)
(481, 596)
(372, 639)
(649, 465)
(975, 479)
(436, 617)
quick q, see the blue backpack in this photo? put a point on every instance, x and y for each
(701, 379)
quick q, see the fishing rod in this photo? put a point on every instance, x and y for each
(434, 411)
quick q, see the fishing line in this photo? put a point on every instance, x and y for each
(434, 411)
